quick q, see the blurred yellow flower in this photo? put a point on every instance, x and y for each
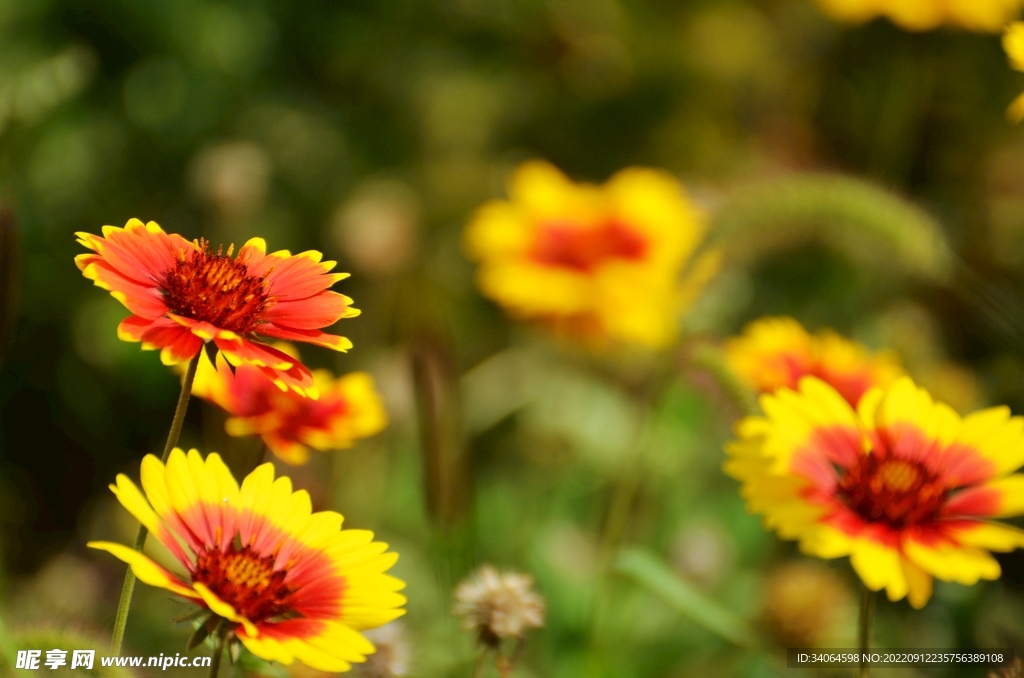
(988, 16)
(290, 583)
(606, 264)
(1013, 43)
(349, 407)
(774, 353)
(902, 485)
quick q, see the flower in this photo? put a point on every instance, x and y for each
(986, 16)
(182, 294)
(804, 604)
(598, 263)
(903, 485)
(291, 583)
(498, 605)
(348, 408)
(1013, 44)
(774, 353)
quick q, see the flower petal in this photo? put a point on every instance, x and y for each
(919, 584)
(322, 645)
(292, 277)
(143, 300)
(130, 497)
(315, 337)
(312, 313)
(145, 569)
(142, 253)
(879, 567)
(220, 608)
(950, 562)
(176, 344)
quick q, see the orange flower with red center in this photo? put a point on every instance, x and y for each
(349, 408)
(291, 584)
(903, 485)
(611, 263)
(182, 294)
(774, 353)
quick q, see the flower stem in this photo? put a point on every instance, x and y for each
(864, 622)
(481, 664)
(218, 649)
(121, 619)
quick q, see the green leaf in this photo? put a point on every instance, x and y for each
(193, 615)
(198, 636)
(650, 572)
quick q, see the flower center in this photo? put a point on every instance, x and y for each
(584, 249)
(245, 581)
(897, 492)
(217, 289)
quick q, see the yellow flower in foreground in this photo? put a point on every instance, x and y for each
(774, 353)
(903, 485)
(1013, 43)
(988, 16)
(349, 407)
(605, 264)
(292, 583)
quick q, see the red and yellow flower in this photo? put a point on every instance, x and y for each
(291, 583)
(182, 294)
(902, 485)
(774, 353)
(603, 263)
(987, 16)
(349, 408)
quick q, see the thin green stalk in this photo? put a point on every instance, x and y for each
(864, 622)
(121, 619)
(481, 664)
(218, 649)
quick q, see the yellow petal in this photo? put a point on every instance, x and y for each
(879, 567)
(919, 583)
(223, 609)
(1013, 43)
(145, 569)
(962, 564)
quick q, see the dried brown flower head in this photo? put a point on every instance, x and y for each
(805, 603)
(498, 605)
(391, 660)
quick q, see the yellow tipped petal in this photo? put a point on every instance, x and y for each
(219, 607)
(145, 569)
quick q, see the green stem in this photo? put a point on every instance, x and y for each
(481, 664)
(864, 622)
(121, 619)
(218, 650)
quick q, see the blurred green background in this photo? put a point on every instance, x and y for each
(370, 130)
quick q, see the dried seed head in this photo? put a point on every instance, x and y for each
(805, 604)
(498, 605)
(391, 660)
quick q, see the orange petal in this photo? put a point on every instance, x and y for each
(315, 337)
(320, 310)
